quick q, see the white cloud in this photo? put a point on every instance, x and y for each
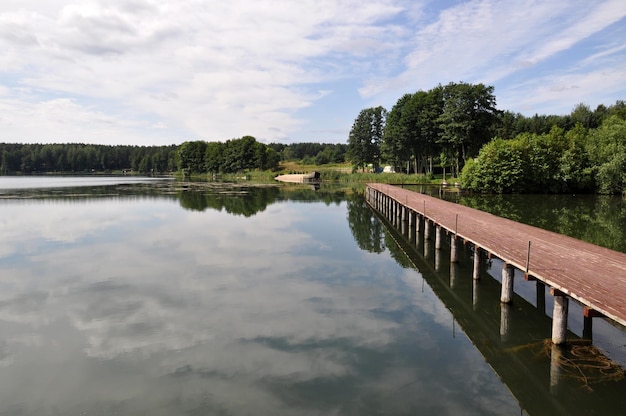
(499, 43)
(214, 70)
(109, 71)
(560, 93)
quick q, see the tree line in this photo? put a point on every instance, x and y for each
(232, 156)
(312, 153)
(77, 157)
(245, 154)
(458, 126)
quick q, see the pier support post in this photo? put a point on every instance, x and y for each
(428, 229)
(588, 315)
(412, 233)
(588, 328)
(478, 261)
(508, 272)
(399, 208)
(455, 249)
(559, 317)
(541, 296)
(438, 237)
(398, 213)
(404, 228)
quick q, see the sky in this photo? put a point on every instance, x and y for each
(158, 72)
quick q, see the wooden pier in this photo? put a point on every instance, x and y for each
(592, 275)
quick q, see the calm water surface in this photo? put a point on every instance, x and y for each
(170, 299)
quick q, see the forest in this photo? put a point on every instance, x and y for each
(193, 157)
(458, 129)
(80, 158)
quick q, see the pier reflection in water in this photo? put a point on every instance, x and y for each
(514, 338)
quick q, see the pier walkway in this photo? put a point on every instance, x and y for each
(592, 275)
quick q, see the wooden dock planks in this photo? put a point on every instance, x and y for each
(594, 276)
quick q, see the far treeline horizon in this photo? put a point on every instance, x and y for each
(455, 128)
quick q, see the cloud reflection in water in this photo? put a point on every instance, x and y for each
(139, 306)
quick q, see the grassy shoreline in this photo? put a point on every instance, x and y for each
(335, 173)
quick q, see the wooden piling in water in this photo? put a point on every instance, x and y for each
(478, 260)
(559, 317)
(438, 237)
(455, 249)
(428, 229)
(508, 272)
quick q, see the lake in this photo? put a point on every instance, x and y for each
(127, 296)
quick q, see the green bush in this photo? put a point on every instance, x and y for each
(530, 163)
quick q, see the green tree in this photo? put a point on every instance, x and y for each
(366, 136)
(531, 163)
(574, 166)
(582, 114)
(501, 167)
(396, 146)
(443, 161)
(4, 163)
(213, 157)
(272, 159)
(190, 157)
(145, 164)
(467, 120)
(412, 130)
(430, 107)
(607, 153)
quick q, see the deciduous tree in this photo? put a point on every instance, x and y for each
(366, 136)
